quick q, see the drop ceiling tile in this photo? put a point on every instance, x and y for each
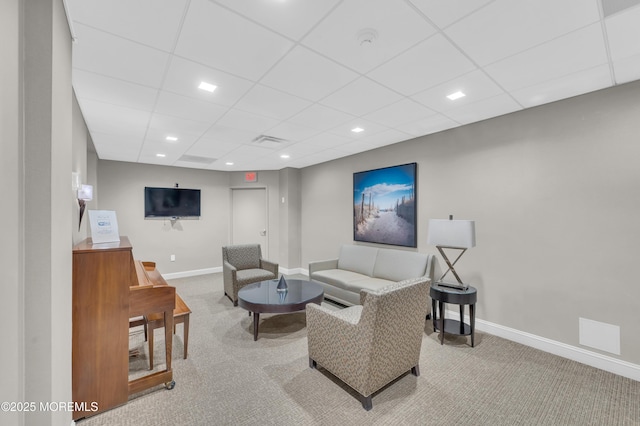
(169, 124)
(215, 36)
(299, 150)
(564, 87)
(476, 86)
(290, 18)
(292, 132)
(308, 75)
(627, 69)
(245, 152)
(247, 121)
(444, 13)
(113, 119)
(623, 34)
(106, 54)
(369, 128)
(113, 91)
(272, 103)
(151, 22)
(116, 147)
(327, 140)
(505, 27)
(211, 147)
(611, 7)
(482, 110)
(219, 133)
(183, 78)
(321, 117)
(397, 25)
(425, 126)
(361, 97)
(188, 108)
(403, 111)
(159, 136)
(430, 63)
(580, 50)
(171, 152)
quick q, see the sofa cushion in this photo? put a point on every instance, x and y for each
(360, 259)
(398, 265)
(337, 277)
(245, 276)
(367, 283)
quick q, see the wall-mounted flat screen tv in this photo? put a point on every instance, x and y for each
(384, 205)
(171, 202)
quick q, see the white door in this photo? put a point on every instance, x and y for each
(249, 217)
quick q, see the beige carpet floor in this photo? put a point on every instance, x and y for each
(228, 379)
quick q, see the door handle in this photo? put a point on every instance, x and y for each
(263, 232)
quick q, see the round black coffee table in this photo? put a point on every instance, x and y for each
(263, 297)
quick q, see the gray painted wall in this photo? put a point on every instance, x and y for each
(11, 172)
(554, 193)
(36, 99)
(195, 243)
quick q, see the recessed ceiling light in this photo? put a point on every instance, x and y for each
(161, 155)
(357, 130)
(171, 138)
(229, 163)
(456, 95)
(284, 156)
(207, 86)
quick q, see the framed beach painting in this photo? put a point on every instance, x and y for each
(384, 205)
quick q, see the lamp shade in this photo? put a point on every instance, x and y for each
(85, 192)
(452, 233)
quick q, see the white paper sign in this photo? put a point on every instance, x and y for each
(104, 226)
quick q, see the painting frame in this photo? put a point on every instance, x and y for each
(385, 205)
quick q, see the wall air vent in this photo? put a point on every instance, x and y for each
(267, 141)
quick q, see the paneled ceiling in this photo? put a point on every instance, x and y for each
(295, 77)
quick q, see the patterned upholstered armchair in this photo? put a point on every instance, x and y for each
(243, 265)
(369, 345)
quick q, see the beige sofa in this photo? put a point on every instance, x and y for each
(371, 268)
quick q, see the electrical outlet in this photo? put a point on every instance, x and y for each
(173, 257)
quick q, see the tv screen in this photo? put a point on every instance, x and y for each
(384, 205)
(171, 202)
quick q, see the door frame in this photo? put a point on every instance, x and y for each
(265, 251)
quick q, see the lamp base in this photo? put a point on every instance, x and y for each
(456, 286)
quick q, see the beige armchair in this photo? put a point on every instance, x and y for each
(243, 265)
(369, 345)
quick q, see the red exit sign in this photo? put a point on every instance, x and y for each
(250, 176)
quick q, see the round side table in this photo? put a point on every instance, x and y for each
(443, 295)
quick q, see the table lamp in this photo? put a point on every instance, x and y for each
(452, 234)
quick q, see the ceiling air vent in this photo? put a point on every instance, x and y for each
(267, 141)
(196, 159)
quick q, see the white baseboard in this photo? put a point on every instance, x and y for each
(193, 273)
(593, 359)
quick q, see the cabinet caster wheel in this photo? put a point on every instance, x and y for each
(170, 385)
